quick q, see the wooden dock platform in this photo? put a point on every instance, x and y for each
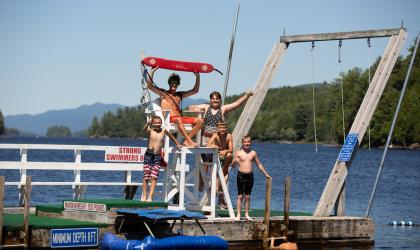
(307, 231)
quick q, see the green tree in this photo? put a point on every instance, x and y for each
(12, 132)
(302, 117)
(1, 123)
(93, 129)
(58, 131)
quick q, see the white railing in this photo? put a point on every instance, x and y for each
(177, 179)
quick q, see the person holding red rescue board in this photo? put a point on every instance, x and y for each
(171, 100)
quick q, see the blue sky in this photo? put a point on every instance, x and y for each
(63, 54)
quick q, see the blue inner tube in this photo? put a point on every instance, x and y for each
(112, 242)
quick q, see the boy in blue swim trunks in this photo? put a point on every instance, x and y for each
(245, 157)
(153, 158)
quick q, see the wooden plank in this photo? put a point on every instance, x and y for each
(340, 35)
(340, 170)
(254, 102)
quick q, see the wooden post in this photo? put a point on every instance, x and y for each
(1, 208)
(266, 232)
(286, 204)
(26, 212)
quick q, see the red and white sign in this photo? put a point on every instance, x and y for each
(84, 206)
(125, 154)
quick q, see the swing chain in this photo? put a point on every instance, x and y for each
(368, 42)
(313, 46)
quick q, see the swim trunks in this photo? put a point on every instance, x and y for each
(151, 164)
(245, 182)
(186, 120)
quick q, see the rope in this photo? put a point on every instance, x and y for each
(313, 94)
(369, 51)
(340, 43)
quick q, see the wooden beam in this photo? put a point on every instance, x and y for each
(340, 35)
(254, 102)
(266, 232)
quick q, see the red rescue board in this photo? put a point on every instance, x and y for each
(178, 65)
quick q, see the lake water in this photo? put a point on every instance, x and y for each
(397, 196)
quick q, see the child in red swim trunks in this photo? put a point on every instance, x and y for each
(153, 158)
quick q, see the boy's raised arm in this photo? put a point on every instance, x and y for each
(260, 166)
(172, 138)
(212, 142)
(196, 87)
(150, 85)
(232, 106)
(146, 126)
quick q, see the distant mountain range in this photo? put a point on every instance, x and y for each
(76, 119)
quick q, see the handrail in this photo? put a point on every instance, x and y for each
(177, 179)
(77, 166)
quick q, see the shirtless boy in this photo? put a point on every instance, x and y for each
(245, 157)
(222, 140)
(153, 157)
(171, 100)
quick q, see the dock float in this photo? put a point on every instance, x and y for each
(306, 230)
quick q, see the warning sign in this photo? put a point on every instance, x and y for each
(125, 154)
(84, 206)
(74, 237)
(348, 147)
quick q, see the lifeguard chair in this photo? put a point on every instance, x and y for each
(181, 179)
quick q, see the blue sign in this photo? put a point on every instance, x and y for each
(347, 149)
(74, 237)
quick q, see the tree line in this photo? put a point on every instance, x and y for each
(287, 112)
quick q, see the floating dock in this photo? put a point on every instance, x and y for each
(306, 230)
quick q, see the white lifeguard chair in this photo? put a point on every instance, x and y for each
(182, 179)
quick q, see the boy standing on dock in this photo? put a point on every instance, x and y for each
(222, 140)
(245, 179)
(153, 158)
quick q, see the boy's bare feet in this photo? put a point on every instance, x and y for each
(149, 200)
(143, 198)
(238, 217)
(247, 217)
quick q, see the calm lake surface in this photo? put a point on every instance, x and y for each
(397, 196)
